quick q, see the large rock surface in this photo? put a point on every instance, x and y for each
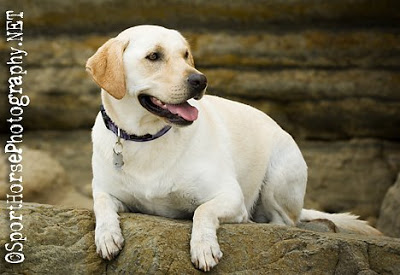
(254, 49)
(94, 15)
(322, 69)
(45, 179)
(389, 222)
(343, 175)
(61, 241)
(42, 176)
(326, 71)
(309, 103)
(317, 85)
(350, 175)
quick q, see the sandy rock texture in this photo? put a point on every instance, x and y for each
(61, 241)
(48, 176)
(389, 222)
(343, 176)
(326, 71)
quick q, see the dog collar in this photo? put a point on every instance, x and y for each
(122, 134)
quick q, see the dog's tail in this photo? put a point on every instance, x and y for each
(344, 221)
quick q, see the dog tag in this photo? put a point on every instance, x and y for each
(118, 159)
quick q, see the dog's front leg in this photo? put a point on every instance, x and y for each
(108, 235)
(204, 248)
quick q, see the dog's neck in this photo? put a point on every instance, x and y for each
(129, 115)
(121, 133)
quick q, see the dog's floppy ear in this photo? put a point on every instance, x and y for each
(107, 68)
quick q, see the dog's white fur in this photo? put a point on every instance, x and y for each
(234, 164)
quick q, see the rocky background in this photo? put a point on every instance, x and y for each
(327, 71)
(64, 244)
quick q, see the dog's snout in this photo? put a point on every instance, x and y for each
(197, 82)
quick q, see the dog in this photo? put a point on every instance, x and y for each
(162, 147)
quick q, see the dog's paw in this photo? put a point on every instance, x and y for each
(109, 242)
(205, 254)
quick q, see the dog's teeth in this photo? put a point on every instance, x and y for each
(157, 102)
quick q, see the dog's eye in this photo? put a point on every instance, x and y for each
(153, 56)
(186, 54)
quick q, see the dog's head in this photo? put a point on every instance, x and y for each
(154, 65)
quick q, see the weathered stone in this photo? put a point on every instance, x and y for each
(334, 119)
(73, 150)
(316, 103)
(93, 15)
(306, 48)
(305, 87)
(263, 49)
(61, 241)
(343, 175)
(323, 69)
(60, 99)
(3, 174)
(319, 225)
(44, 180)
(42, 175)
(287, 86)
(308, 103)
(389, 222)
(349, 176)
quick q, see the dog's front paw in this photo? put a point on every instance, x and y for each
(109, 242)
(205, 254)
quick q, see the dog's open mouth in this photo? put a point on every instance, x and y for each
(180, 114)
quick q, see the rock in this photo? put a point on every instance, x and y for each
(308, 48)
(318, 81)
(326, 71)
(304, 85)
(71, 95)
(341, 174)
(320, 225)
(79, 17)
(294, 49)
(44, 180)
(349, 176)
(61, 241)
(308, 103)
(316, 104)
(389, 222)
(41, 175)
(73, 150)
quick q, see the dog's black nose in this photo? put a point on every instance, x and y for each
(197, 83)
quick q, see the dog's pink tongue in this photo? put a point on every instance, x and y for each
(185, 110)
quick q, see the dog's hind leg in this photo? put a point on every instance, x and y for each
(282, 194)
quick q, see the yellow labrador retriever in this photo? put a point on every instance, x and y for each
(161, 147)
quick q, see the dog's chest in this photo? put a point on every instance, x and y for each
(158, 198)
(173, 205)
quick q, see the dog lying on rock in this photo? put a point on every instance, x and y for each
(162, 147)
